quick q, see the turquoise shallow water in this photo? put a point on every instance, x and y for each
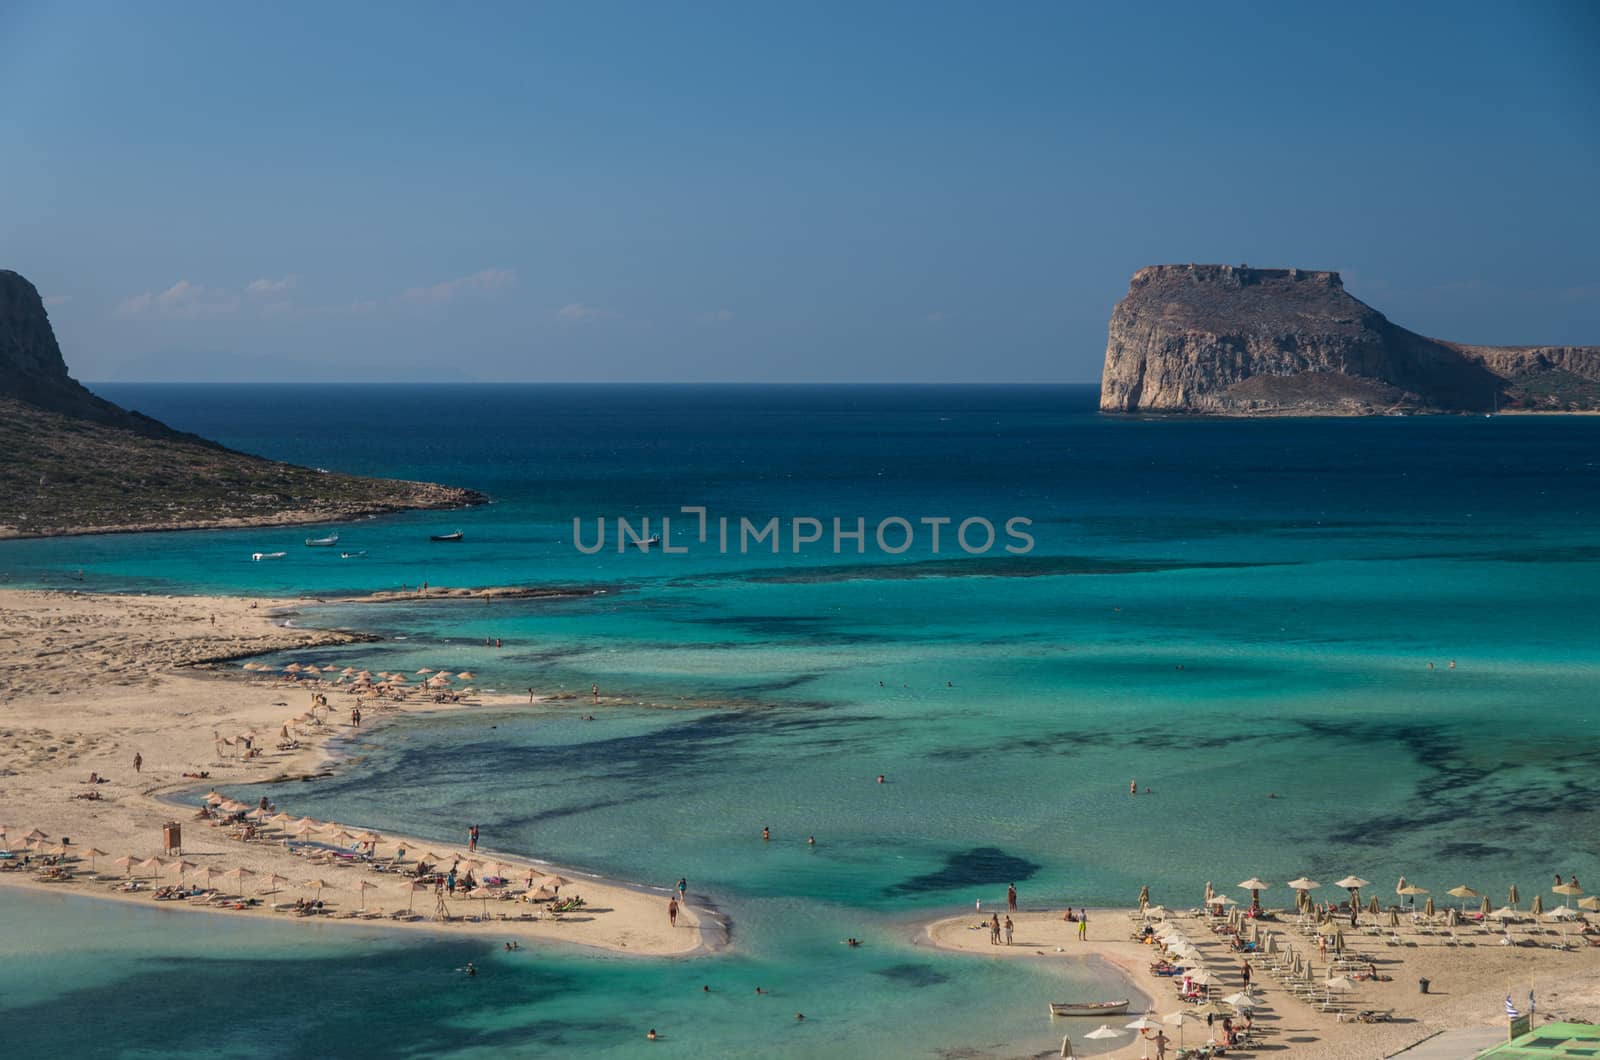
(1225, 610)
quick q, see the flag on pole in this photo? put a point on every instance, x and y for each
(1511, 1010)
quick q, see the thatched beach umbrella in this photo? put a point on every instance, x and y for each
(1591, 903)
(1484, 906)
(181, 868)
(282, 820)
(318, 884)
(1427, 908)
(238, 875)
(1463, 892)
(206, 877)
(1353, 884)
(271, 882)
(91, 854)
(1144, 896)
(1512, 897)
(1303, 884)
(154, 864)
(467, 675)
(1255, 886)
(485, 893)
(1570, 890)
(1394, 918)
(1537, 908)
(1338, 940)
(552, 882)
(1372, 906)
(126, 862)
(361, 887)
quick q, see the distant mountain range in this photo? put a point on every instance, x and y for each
(71, 462)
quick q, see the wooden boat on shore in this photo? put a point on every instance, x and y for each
(1088, 1008)
(322, 542)
(446, 537)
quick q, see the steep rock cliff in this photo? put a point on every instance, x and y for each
(1236, 340)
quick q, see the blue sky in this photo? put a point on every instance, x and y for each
(818, 192)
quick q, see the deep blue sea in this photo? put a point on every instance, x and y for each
(1225, 610)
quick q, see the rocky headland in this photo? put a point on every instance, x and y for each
(72, 462)
(1233, 340)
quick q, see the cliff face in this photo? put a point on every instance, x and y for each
(71, 462)
(1226, 339)
(32, 369)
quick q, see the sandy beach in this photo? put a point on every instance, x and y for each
(87, 682)
(1468, 983)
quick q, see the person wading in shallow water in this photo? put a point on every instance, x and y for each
(1011, 898)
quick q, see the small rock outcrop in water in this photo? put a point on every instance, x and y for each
(1235, 340)
(71, 462)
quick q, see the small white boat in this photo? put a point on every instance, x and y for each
(353, 555)
(322, 542)
(1088, 1008)
(259, 556)
(651, 542)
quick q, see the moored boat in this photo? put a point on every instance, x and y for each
(322, 542)
(1088, 1008)
(445, 537)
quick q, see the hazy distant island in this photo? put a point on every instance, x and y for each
(71, 462)
(1232, 340)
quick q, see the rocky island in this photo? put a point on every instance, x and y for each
(71, 462)
(1233, 340)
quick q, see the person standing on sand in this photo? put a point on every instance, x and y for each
(138, 766)
(994, 929)
(1009, 926)
(1083, 925)
(595, 692)
(1011, 897)
(472, 838)
(1162, 1041)
(672, 911)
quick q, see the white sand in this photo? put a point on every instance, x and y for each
(87, 681)
(1469, 983)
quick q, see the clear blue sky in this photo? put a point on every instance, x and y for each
(851, 192)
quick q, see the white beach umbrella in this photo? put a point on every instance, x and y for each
(1178, 1019)
(1102, 1033)
(1303, 884)
(1142, 1024)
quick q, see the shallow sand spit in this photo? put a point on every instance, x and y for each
(1468, 982)
(87, 682)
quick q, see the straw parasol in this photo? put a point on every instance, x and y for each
(238, 876)
(1338, 982)
(1463, 892)
(1394, 918)
(206, 877)
(1511, 897)
(1202, 977)
(1484, 906)
(1570, 890)
(484, 893)
(1372, 906)
(467, 675)
(1562, 912)
(1592, 903)
(1255, 886)
(1427, 907)
(1303, 884)
(181, 868)
(1144, 896)
(271, 882)
(91, 854)
(361, 887)
(1537, 908)
(126, 862)
(551, 882)
(154, 864)
(319, 883)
